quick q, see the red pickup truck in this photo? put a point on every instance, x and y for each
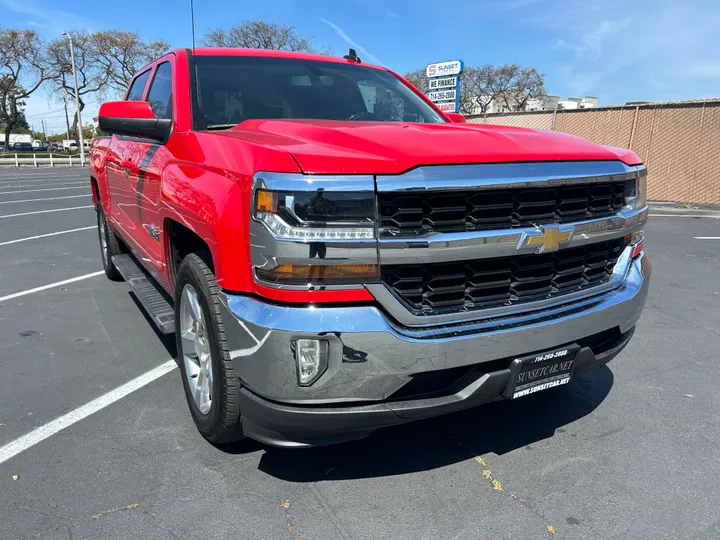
(336, 255)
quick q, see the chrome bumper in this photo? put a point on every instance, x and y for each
(371, 356)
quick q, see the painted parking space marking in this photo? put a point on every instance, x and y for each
(37, 435)
(706, 237)
(46, 235)
(46, 211)
(42, 189)
(44, 184)
(49, 179)
(684, 215)
(50, 286)
(47, 199)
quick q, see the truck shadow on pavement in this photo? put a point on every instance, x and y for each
(498, 427)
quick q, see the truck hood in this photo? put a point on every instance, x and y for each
(341, 147)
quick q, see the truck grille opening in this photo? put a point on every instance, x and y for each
(456, 211)
(430, 289)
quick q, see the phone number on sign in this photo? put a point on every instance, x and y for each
(550, 356)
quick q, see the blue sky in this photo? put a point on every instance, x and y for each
(618, 50)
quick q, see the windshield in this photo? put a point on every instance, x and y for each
(231, 89)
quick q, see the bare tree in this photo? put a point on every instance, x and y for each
(478, 89)
(509, 85)
(418, 79)
(92, 74)
(257, 34)
(121, 54)
(513, 85)
(23, 69)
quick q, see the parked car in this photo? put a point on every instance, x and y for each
(23, 147)
(332, 264)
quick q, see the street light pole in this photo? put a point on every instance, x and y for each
(77, 101)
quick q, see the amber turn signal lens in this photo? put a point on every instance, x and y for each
(266, 201)
(288, 273)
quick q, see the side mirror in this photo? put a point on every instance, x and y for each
(134, 119)
(455, 118)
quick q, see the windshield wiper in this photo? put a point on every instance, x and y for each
(220, 126)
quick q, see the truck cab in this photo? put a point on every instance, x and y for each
(335, 255)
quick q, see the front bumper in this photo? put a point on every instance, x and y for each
(372, 359)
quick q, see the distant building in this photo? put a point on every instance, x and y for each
(588, 102)
(542, 103)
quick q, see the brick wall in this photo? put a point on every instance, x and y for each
(679, 142)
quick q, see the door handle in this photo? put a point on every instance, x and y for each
(110, 159)
(130, 165)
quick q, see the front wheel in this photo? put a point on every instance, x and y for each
(211, 386)
(109, 246)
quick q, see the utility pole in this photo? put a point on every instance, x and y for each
(42, 122)
(77, 101)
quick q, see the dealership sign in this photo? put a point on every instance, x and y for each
(444, 84)
(451, 106)
(443, 69)
(443, 95)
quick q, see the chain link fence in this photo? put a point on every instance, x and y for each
(678, 141)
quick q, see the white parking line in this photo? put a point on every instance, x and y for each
(50, 179)
(706, 237)
(37, 435)
(43, 189)
(12, 186)
(50, 286)
(683, 215)
(48, 199)
(46, 235)
(46, 211)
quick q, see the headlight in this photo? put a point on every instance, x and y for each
(313, 237)
(317, 216)
(636, 192)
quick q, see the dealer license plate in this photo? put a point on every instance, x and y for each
(535, 373)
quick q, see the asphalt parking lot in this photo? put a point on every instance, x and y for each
(625, 451)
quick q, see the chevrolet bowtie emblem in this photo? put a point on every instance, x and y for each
(550, 239)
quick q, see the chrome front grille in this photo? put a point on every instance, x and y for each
(468, 210)
(431, 289)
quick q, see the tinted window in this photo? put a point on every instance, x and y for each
(137, 87)
(160, 94)
(231, 89)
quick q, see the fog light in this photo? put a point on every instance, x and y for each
(312, 359)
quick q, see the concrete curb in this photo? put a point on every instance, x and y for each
(670, 208)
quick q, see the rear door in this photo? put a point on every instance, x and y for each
(142, 162)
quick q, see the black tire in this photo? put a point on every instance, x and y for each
(222, 423)
(113, 246)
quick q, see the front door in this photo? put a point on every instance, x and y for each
(142, 162)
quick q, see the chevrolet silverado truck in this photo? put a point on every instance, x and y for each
(336, 255)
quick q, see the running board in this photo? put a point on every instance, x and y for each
(151, 296)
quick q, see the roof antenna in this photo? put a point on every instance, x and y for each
(352, 55)
(192, 22)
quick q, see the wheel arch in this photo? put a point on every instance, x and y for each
(180, 241)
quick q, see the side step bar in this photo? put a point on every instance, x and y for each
(151, 296)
